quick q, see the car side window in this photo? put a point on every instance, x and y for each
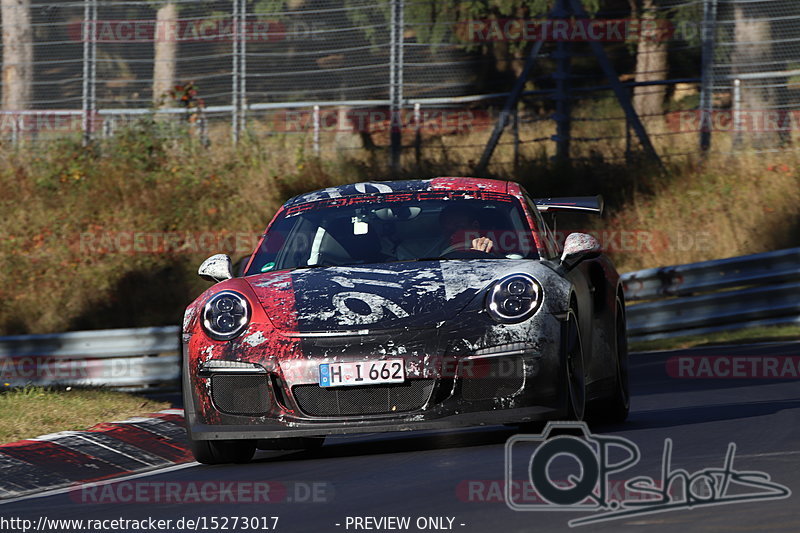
(551, 238)
(551, 246)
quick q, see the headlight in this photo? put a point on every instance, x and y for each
(226, 315)
(514, 298)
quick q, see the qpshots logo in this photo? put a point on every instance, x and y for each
(571, 469)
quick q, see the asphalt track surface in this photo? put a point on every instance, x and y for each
(452, 474)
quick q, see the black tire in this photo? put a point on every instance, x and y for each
(574, 370)
(214, 452)
(615, 408)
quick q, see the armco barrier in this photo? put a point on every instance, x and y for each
(679, 280)
(131, 358)
(699, 298)
(753, 290)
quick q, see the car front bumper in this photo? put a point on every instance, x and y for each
(474, 392)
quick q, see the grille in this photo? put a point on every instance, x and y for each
(239, 394)
(493, 378)
(369, 400)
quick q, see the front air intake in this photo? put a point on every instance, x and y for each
(241, 394)
(368, 400)
(489, 378)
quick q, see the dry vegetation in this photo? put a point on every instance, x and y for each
(60, 200)
(50, 410)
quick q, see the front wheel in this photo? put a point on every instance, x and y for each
(573, 369)
(213, 452)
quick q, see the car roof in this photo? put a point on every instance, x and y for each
(399, 186)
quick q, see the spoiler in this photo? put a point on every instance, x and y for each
(581, 204)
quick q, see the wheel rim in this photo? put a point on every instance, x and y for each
(575, 375)
(622, 357)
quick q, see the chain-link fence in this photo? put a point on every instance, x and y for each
(429, 78)
(755, 75)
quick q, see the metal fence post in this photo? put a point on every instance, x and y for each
(16, 128)
(243, 66)
(417, 136)
(561, 94)
(85, 84)
(396, 83)
(89, 95)
(737, 113)
(516, 139)
(108, 128)
(235, 100)
(707, 74)
(93, 80)
(316, 130)
(628, 135)
(562, 98)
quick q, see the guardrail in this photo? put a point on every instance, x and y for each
(699, 298)
(121, 358)
(753, 290)
(680, 280)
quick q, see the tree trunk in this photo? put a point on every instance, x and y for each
(753, 53)
(17, 54)
(165, 53)
(651, 65)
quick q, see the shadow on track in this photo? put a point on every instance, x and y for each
(393, 443)
(650, 375)
(683, 416)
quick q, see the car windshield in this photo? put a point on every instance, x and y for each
(370, 229)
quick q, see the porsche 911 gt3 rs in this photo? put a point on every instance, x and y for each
(391, 306)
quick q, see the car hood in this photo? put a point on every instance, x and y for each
(374, 297)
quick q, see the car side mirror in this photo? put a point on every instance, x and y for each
(577, 247)
(216, 268)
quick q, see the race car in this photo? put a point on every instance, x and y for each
(403, 305)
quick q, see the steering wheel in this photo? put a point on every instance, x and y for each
(461, 249)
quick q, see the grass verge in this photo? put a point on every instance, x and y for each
(32, 411)
(742, 336)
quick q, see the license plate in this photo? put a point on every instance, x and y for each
(362, 373)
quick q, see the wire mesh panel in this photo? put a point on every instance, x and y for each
(317, 51)
(755, 74)
(343, 74)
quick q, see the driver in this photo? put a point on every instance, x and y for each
(461, 224)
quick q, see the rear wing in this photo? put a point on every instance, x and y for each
(580, 204)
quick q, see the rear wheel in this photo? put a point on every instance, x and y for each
(573, 369)
(616, 406)
(212, 452)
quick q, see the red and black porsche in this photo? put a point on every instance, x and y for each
(389, 306)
